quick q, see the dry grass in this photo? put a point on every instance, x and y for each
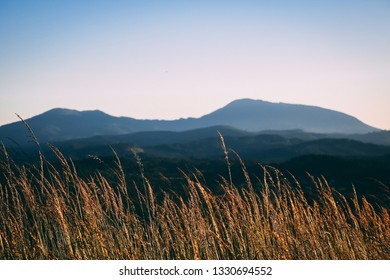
(52, 213)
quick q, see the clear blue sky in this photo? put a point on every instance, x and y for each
(172, 59)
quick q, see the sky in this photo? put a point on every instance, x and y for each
(178, 59)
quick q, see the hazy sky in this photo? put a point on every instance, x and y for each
(172, 59)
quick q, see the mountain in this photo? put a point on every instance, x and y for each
(258, 115)
(64, 124)
(244, 114)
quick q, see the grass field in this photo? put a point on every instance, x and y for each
(49, 212)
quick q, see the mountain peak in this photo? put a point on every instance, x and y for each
(61, 111)
(65, 111)
(246, 101)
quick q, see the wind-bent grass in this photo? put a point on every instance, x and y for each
(55, 214)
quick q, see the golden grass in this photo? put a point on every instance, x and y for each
(53, 213)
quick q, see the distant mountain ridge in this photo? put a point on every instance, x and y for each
(244, 114)
(205, 143)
